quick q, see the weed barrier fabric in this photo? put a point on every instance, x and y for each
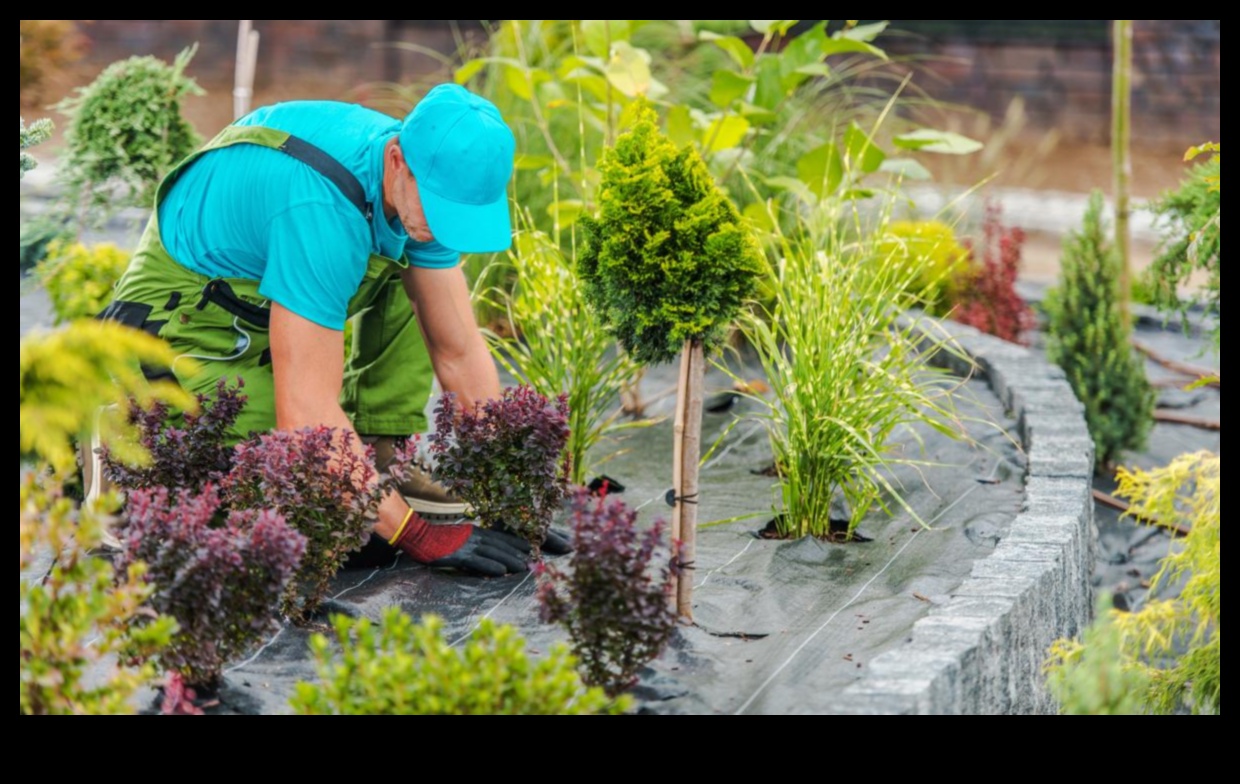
(781, 626)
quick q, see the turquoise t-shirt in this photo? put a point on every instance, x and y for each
(247, 211)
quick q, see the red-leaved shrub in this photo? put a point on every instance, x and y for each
(616, 607)
(219, 575)
(989, 300)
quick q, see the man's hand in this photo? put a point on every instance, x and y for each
(462, 546)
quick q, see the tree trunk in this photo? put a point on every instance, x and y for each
(1121, 160)
(686, 454)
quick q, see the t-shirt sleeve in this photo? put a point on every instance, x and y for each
(431, 255)
(316, 258)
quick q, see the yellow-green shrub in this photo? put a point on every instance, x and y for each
(929, 247)
(399, 667)
(80, 278)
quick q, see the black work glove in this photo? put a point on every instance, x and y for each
(555, 543)
(488, 553)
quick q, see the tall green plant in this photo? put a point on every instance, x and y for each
(1090, 340)
(1170, 651)
(557, 344)
(125, 133)
(847, 369)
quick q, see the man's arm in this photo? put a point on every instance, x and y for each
(307, 361)
(457, 349)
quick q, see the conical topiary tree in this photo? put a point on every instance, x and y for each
(1090, 340)
(668, 263)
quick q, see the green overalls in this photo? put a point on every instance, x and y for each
(222, 323)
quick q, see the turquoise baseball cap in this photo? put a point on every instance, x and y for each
(461, 152)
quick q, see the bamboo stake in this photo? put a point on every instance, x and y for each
(678, 454)
(1177, 366)
(690, 453)
(1121, 130)
(1184, 419)
(247, 58)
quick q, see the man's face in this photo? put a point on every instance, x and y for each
(409, 208)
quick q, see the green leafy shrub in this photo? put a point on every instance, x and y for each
(562, 349)
(1090, 341)
(942, 263)
(220, 576)
(83, 377)
(1190, 218)
(846, 370)
(1090, 677)
(616, 608)
(398, 667)
(80, 279)
(668, 258)
(1169, 651)
(125, 133)
(39, 131)
(506, 459)
(78, 622)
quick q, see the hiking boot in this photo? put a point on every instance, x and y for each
(428, 498)
(95, 485)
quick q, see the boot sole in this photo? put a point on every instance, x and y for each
(438, 510)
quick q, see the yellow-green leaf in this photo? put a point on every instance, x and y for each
(628, 70)
(468, 70)
(863, 153)
(727, 86)
(565, 211)
(726, 132)
(680, 125)
(736, 48)
(596, 33)
(821, 169)
(944, 142)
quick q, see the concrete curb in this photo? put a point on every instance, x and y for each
(982, 651)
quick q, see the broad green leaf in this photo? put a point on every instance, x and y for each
(520, 81)
(596, 33)
(565, 211)
(776, 26)
(757, 115)
(844, 45)
(725, 132)
(528, 162)
(866, 32)
(805, 49)
(821, 169)
(628, 71)
(727, 86)
(759, 214)
(907, 168)
(736, 48)
(814, 69)
(680, 125)
(930, 140)
(569, 66)
(770, 90)
(468, 70)
(862, 151)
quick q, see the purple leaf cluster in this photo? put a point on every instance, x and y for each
(218, 574)
(189, 455)
(325, 489)
(614, 600)
(506, 458)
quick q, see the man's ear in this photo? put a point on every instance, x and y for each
(395, 155)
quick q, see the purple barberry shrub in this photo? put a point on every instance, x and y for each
(323, 488)
(615, 598)
(506, 458)
(187, 455)
(220, 575)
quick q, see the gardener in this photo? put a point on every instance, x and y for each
(302, 215)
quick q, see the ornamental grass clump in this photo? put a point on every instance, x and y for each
(219, 574)
(558, 345)
(506, 459)
(615, 597)
(1090, 340)
(668, 264)
(324, 488)
(849, 369)
(399, 667)
(85, 637)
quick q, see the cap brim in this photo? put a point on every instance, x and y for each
(468, 228)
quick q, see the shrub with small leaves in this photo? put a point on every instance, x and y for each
(669, 257)
(399, 667)
(125, 133)
(80, 279)
(940, 261)
(323, 488)
(506, 458)
(616, 608)
(219, 575)
(39, 131)
(989, 300)
(79, 627)
(1090, 341)
(186, 456)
